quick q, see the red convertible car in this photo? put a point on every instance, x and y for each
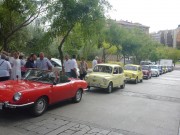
(39, 89)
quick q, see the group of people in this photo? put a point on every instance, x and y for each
(70, 67)
(13, 66)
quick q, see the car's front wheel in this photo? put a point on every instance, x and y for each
(136, 81)
(40, 106)
(77, 98)
(123, 86)
(110, 87)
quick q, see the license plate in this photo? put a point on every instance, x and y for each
(1, 105)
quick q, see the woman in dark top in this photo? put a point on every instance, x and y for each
(30, 62)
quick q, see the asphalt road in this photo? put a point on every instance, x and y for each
(148, 108)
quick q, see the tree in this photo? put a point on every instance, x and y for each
(15, 15)
(66, 14)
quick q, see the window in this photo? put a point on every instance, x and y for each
(120, 70)
(115, 70)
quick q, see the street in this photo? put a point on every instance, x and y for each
(148, 108)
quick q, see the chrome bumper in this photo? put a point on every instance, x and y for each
(7, 105)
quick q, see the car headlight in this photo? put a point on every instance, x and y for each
(17, 96)
(104, 80)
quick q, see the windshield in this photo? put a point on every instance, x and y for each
(104, 69)
(154, 67)
(40, 76)
(133, 68)
(145, 68)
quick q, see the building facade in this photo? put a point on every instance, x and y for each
(131, 25)
(170, 38)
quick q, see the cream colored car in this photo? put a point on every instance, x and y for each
(106, 76)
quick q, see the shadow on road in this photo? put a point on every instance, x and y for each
(10, 116)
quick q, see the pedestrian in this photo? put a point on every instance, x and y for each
(31, 61)
(95, 62)
(5, 68)
(67, 66)
(23, 62)
(16, 67)
(74, 67)
(43, 63)
(83, 67)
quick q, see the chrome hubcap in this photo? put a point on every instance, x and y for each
(110, 88)
(78, 95)
(40, 106)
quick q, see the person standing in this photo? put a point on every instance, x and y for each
(95, 62)
(43, 63)
(83, 68)
(67, 66)
(16, 67)
(5, 68)
(74, 67)
(30, 61)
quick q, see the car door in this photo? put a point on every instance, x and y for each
(116, 76)
(62, 91)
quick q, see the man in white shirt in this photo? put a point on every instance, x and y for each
(67, 66)
(95, 62)
(43, 63)
(5, 68)
(74, 67)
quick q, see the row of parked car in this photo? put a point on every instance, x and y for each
(41, 88)
(109, 76)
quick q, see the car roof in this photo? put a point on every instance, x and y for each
(108, 64)
(132, 65)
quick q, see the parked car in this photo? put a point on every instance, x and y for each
(155, 70)
(160, 69)
(106, 76)
(146, 71)
(56, 64)
(133, 73)
(39, 89)
(170, 68)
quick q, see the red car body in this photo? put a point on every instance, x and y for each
(31, 91)
(146, 71)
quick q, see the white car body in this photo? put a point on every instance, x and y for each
(155, 70)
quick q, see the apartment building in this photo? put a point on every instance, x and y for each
(170, 38)
(131, 25)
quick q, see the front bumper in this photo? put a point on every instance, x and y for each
(8, 105)
(130, 79)
(97, 85)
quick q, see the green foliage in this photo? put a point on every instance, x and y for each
(14, 16)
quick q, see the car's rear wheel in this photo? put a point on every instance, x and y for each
(77, 98)
(40, 106)
(110, 87)
(141, 80)
(123, 86)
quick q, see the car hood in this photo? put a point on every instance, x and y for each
(100, 75)
(130, 72)
(9, 88)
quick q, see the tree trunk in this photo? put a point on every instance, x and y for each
(5, 45)
(61, 44)
(104, 55)
(124, 59)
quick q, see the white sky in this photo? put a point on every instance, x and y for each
(157, 14)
